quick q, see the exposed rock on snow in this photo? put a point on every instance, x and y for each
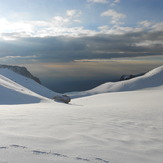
(62, 98)
(22, 71)
(127, 77)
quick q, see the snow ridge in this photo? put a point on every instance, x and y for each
(18, 89)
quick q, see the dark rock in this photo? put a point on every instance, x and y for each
(62, 98)
(22, 71)
(127, 77)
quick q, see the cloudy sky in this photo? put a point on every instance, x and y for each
(81, 43)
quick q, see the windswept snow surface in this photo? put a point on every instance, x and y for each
(117, 127)
(151, 79)
(123, 127)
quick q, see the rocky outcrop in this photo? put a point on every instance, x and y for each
(22, 71)
(127, 77)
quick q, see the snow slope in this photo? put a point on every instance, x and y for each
(151, 79)
(17, 89)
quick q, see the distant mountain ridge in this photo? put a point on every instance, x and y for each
(151, 79)
(22, 71)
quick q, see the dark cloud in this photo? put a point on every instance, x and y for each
(63, 49)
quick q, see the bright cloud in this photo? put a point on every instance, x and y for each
(119, 30)
(59, 21)
(117, 1)
(145, 23)
(56, 26)
(115, 16)
(157, 26)
(125, 59)
(12, 58)
(98, 1)
(150, 43)
(73, 13)
(8, 26)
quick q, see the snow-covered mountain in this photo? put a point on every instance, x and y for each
(18, 86)
(151, 79)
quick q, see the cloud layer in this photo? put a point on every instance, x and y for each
(99, 46)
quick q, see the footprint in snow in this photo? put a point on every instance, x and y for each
(82, 159)
(17, 146)
(3, 147)
(38, 152)
(59, 155)
(102, 160)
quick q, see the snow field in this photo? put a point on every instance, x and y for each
(115, 127)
